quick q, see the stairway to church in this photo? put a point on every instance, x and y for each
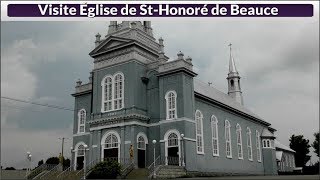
(140, 173)
(171, 172)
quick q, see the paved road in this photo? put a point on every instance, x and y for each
(293, 177)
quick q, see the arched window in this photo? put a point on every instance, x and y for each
(258, 146)
(81, 121)
(111, 141)
(249, 144)
(215, 136)
(141, 143)
(228, 138)
(199, 131)
(112, 92)
(171, 105)
(239, 142)
(173, 140)
(80, 151)
(118, 91)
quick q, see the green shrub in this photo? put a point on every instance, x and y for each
(109, 169)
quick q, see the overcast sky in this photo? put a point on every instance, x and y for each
(277, 58)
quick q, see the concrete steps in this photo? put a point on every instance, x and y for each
(171, 172)
(140, 173)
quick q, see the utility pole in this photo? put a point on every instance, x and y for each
(62, 144)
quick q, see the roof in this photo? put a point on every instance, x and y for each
(279, 155)
(278, 145)
(214, 94)
(266, 133)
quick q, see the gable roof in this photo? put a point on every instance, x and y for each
(278, 145)
(224, 99)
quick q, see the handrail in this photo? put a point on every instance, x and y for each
(151, 168)
(39, 168)
(124, 171)
(66, 170)
(56, 167)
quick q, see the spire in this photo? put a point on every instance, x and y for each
(232, 65)
(234, 89)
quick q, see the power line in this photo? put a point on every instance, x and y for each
(38, 104)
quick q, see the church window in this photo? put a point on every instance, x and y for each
(258, 146)
(111, 141)
(141, 143)
(112, 92)
(118, 91)
(228, 139)
(80, 151)
(81, 121)
(199, 132)
(215, 139)
(239, 142)
(171, 105)
(173, 140)
(249, 144)
(232, 82)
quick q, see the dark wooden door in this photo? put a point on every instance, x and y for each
(141, 158)
(80, 160)
(173, 156)
(111, 154)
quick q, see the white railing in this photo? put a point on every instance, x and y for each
(153, 166)
(49, 170)
(62, 174)
(160, 161)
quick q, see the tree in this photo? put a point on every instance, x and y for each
(52, 160)
(66, 163)
(315, 143)
(10, 168)
(105, 170)
(40, 162)
(301, 146)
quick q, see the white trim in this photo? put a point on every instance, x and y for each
(214, 120)
(249, 144)
(84, 121)
(200, 134)
(103, 142)
(144, 136)
(239, 130)
(141, 123)
(190, 139)
(258, 146)
(229, 139)
(167, 105)
(81, 134)
(166, 135)
(112, 92)
(76, 153)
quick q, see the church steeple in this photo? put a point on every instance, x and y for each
(234, 89)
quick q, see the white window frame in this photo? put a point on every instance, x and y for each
(103, 143)
(266, 143)
(199, 136)
(113, 100)
(168, 108)
(144, 136)
(227, 134)
(84, 120)
(215, 135)
(258, 146)
(249, 144)
(120, 89)
(239, 141)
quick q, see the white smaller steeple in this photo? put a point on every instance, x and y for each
(234, 89)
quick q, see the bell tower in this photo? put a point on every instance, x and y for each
(234, 89)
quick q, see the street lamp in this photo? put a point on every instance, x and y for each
(29, 159)
(84, 161)
(182, 151)
(154, 157)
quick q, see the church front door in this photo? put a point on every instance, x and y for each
(173, 156)
(80, 160)
(111, 154)
(141, 158)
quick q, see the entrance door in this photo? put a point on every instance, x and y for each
(111, 154)
(141, 146)
(141, 158)
(80, 160)
(173, 156)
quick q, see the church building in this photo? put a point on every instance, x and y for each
(138, 100)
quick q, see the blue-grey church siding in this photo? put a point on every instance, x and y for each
(144, 94)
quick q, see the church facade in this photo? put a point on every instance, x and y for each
(136, 95)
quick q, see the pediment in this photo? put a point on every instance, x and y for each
(109, 44)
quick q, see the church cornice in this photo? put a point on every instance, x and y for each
(117, 119)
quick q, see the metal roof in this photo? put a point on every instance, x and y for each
(214, 94)
(278, 145)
